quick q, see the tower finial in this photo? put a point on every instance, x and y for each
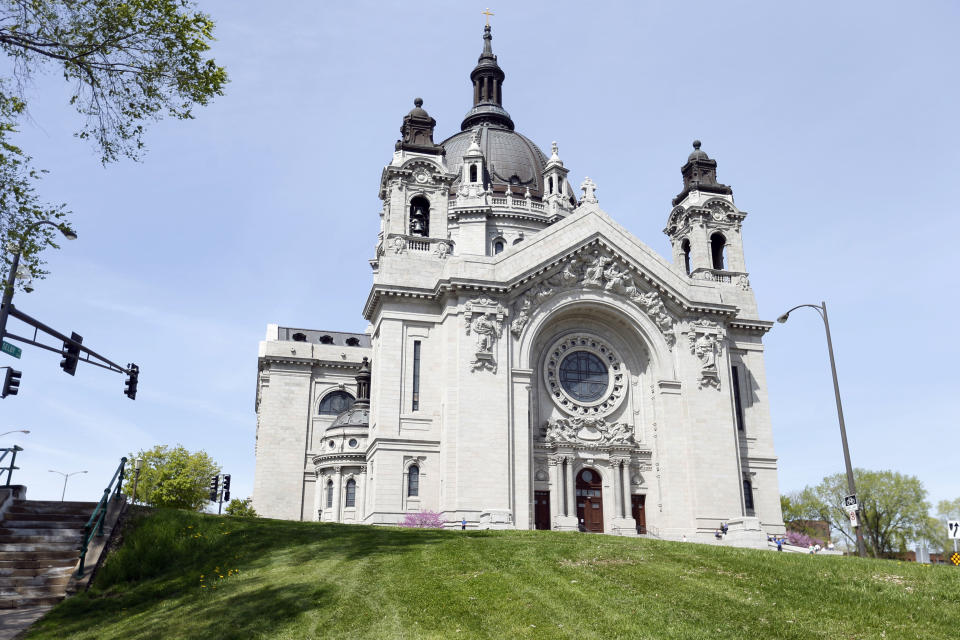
(488, 13)
(487, 78)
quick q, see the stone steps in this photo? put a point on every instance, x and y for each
(23, 601)
(15, 526)
(9, 519)
(34, 570)
(39, 547)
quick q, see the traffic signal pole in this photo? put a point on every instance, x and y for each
(72, 349)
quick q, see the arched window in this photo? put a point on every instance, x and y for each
(550, 185)
(335, 403)
(748, 494)
(413, 481)
(326, 339)
(685, 247)
(353, 342)
(717, 244)
(420, 217)
(299, 337)
(473, 173)
(498, 246)
(329, 494)
(350, 499)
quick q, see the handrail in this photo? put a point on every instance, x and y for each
(13, 459)
(94, 526)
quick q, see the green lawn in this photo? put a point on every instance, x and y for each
(184, 575)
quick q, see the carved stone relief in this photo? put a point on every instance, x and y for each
(484, 318)
(600, 269)
(706, 342)
(595, 432)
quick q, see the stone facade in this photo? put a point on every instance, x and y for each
(520, 337)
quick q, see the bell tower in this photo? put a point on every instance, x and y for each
(704, 224)
(414, 188)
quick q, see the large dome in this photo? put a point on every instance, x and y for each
(512, 159)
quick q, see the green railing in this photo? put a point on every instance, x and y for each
(94, 526)
(13, 458)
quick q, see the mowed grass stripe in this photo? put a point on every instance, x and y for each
(308, 580)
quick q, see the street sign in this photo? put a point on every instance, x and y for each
(955, 559)
(850, 502)
(953, 529)
(853, 518)
(9, 349)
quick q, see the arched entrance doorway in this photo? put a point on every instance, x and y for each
(590, 500)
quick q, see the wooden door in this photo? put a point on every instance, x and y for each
(541, 509)
(590, 500)
(639, 513)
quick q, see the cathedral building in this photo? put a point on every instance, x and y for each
(528, 363)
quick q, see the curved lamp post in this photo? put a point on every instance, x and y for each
(822, 310)
(66, 476)
(15, 264)
(14, 431)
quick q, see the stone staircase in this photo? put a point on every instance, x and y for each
(39, 546)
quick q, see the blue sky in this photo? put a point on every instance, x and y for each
(835, 124)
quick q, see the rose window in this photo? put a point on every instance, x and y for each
(584, 375)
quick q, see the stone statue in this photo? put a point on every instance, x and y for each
(704, 348)
(485, 329)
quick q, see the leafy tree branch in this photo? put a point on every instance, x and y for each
(129, 63)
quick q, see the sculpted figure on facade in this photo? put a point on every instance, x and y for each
(706, 344)
(484, 320)
(442, 249)
(589, 431)
(598, 271)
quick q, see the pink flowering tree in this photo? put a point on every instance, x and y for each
(801, 539)
(423, 520)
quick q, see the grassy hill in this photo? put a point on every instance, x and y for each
(191, 576)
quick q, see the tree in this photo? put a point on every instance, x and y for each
(893, 509)
(129, 62)
(946, 510)
(800, 516)
(172, 477)
(241, 508)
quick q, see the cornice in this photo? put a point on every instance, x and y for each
(455, 284)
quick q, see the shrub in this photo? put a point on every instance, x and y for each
(423, 520)
(801, 539)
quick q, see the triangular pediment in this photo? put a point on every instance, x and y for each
(592, 252)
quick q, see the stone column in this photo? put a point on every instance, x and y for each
(361, 510)
(571, 486)
(338, 495)
(556, 489)
(625, 475)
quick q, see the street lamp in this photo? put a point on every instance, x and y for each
(15, 431)
(15, 265)
(822, 310)
(137, 465)
(66, 476)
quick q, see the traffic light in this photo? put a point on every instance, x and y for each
(214, 488)
(131, 383)
(11, 383)
(226, 487)
(72, 349)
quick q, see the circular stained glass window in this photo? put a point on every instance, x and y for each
(584, 376)
(352, 443)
